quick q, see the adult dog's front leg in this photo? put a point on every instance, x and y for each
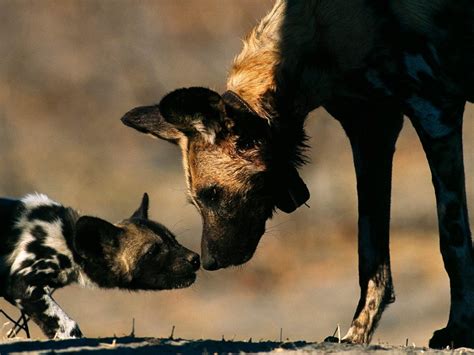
(373, 133)
(52, 320)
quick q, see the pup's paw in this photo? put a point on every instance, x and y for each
(68, 330)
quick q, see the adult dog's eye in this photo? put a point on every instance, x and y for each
(210, 195)
(151, 251)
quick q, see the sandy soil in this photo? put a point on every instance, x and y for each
(154, 345)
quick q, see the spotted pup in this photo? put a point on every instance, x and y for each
(47, 246)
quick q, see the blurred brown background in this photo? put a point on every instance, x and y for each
(70, 69)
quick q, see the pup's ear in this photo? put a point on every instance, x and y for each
(291, 191)
(142, 211)
(95, 237)
(183, 112)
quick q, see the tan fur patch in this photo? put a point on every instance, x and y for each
(253, 72)
(220, 165)
(134, 243)
(283, 49)
(379, 292)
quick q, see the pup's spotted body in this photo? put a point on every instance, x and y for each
(45, 246)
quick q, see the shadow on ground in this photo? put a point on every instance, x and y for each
(174, 346)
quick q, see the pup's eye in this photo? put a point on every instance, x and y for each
(210, 195)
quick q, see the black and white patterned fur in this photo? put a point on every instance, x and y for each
(44, 246)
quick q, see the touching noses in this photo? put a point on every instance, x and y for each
(193, 259)
(209, 263)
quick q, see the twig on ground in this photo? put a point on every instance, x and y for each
(132, 333)
(109, 346)
(17, 325)
(3, 327)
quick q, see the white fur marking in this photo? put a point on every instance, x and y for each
(55, 238)
(19, 254)
(209, 133)
(35, 200)
(84, 281)
(66, 324)
(29, 290)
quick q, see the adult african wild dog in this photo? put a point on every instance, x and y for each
(368, 63)
(45, 246)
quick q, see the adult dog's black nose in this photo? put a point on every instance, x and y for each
(194, 261)
(209, 263)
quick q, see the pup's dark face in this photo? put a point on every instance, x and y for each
(153, 258)
(137, 253)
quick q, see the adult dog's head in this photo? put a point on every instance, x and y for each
(233, 173)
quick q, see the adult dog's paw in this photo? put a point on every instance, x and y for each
(452, 337)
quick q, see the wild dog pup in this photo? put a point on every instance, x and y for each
(45, 246)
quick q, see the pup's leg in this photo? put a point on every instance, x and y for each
(52, 320)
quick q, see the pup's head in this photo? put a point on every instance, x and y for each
(136, 253)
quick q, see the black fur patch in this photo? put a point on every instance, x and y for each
(64, 261)
(10, 210)
(37, 248)
(45, 213)
(36, 294)
(181, 106)
(27, 263)
(39, 233)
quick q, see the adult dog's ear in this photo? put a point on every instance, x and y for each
(183, 112)
(95, 237)
(148, 120)
(142, 211)
(291, 191)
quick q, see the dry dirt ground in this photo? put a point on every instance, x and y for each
(177, 346)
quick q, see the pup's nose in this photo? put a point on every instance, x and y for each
(194, 261)
(209, 263)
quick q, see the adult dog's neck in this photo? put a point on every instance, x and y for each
(292, 60)
(253, 75)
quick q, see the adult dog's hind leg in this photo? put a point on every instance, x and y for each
(373, 131)
(445, 157)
